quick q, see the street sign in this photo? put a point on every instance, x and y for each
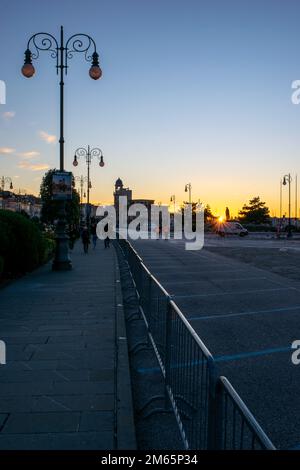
(62, 185)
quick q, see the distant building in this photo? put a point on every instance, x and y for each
(27, 203)
(120, 190)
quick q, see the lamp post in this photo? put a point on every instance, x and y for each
(280, 201)
(287, 179)
(5, 180)
(82, 180)
(88, 154)
(62, 51)
(188, 188)
(173, 199)
(296, 201)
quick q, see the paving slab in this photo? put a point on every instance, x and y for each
(64, 384)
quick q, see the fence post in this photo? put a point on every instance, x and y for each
(211, 406)
(149, 300)
(215, 411)
(168, 345)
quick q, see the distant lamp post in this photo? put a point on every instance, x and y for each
(188, 188)
(173, 199)
(287, 179)
(62, 51)
(88, 154)
(3, 181)
(6, 180)
(82, 180)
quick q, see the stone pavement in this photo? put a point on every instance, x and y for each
(66, 383)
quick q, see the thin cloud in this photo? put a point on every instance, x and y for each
(33, 167)
(28, 155)
(49, 138)
(8, 115)
(6, 150)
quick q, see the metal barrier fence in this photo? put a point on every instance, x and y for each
(209, 412)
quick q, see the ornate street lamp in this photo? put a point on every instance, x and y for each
(173, 199)
(287, 179)
(62, 52)
(88, 154)
(3, 181)
(188, 188)
(82, 180)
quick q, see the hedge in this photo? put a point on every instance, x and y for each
(23, 246)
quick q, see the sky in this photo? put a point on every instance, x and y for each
(193, 91)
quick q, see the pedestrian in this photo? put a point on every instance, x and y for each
(85, 237)
(94, 234)
(106, 239)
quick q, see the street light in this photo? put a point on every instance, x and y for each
(3, 181)
(287, 179)
(188, 188)
(173, 199)
(82, 180)
(88, 154)
(62, 52)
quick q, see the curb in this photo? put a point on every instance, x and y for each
(125, 428)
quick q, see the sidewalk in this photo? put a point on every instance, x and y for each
(66, 384)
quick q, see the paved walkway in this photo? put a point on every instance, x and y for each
(67, 358)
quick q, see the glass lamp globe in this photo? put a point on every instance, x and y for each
(28, 70)
(95, 72)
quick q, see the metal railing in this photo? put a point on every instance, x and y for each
(209, 412)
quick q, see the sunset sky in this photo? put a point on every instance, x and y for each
(192, 91)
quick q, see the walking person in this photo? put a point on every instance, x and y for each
(85, 237)
(106, 239)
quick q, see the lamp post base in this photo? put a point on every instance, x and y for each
(62, 260)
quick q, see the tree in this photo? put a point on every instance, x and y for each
(227, 214)
(256, 212)
(208, 215)
(50, 208)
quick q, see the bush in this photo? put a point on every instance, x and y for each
(23, 246)
(49, 248)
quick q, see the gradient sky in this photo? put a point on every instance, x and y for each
(192, 91)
